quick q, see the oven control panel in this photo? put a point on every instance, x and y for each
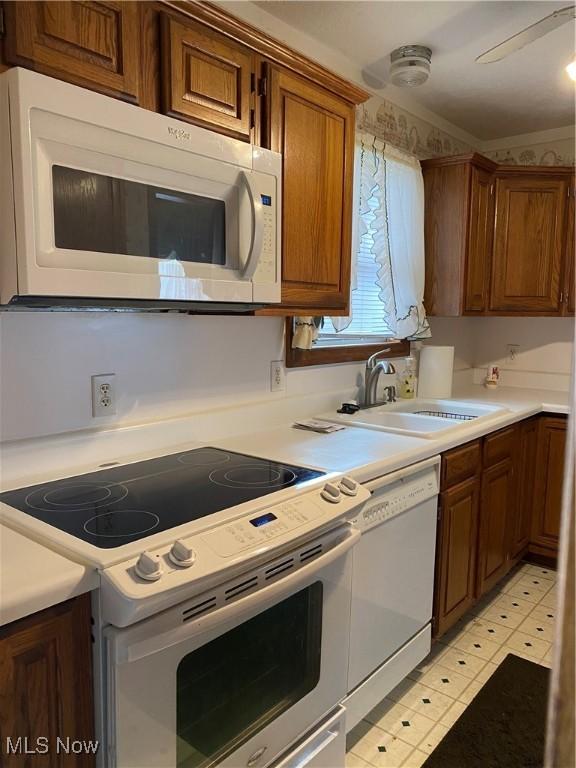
(255, 530)
(136, 588)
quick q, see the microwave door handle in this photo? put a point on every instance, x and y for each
(257, 233)
(159, 641)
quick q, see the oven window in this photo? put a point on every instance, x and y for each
(100, 213)
(232, 687)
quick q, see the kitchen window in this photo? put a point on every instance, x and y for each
(387, 268)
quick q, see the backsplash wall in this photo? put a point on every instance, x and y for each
(169, 366)
(543, 359)
(166, 366)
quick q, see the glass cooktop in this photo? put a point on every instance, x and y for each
(121, 504)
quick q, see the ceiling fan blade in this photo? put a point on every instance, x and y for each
(528, 35)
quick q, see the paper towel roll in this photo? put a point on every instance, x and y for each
(435, 371)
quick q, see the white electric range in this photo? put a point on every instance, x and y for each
(223, 614)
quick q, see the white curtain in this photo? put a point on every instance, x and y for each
(391, 208)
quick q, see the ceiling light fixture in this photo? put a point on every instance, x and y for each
(571, 69)
(410, 65)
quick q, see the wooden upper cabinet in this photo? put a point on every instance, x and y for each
(528, 243)
(206, 77)
(314, 131)
(458, 226)
(496, 238)
(549, 482)
(480, 232)
(93, 44)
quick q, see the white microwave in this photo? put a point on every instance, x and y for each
(103, 203)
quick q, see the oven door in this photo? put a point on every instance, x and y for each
(119, 216)
(238, 685)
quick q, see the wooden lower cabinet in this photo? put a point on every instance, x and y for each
(548, 485)
(497, 507)
(46, 686)
(527, 462)
(456, 553)
(500, 499)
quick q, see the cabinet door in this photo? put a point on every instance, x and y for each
(93, 44)
(497, 509)
(527, 458)
(206, 77)
(446, 211)
(314, 131)
(481, 228)
(46, 682)
(549, 481)
(528, 244)
(570, 256)
(456, 554)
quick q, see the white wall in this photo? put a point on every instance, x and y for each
(544, 355)
(165, 365)
(458, 333)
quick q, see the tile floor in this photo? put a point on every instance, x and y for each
(516, 617)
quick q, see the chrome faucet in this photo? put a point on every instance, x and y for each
(374, 368)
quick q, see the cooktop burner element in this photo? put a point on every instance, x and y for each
(75, 495)
(121, 504)
(254, 476)
(122, 522)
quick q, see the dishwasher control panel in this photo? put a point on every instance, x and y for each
(395, 497)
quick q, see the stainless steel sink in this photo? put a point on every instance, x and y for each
(429, 419)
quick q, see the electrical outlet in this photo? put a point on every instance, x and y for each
(103, 395)
(277, 376)
(512, 351)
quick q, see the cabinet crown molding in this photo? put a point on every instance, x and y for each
(470, 158)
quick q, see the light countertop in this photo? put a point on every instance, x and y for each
(33, 577)
(368, 453)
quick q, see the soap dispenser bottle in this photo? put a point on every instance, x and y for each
(407, 383)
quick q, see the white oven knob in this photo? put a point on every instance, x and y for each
(348, 486)
(181, 554)
(330, 492)
(149, 567)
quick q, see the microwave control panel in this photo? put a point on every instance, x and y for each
(266, 272)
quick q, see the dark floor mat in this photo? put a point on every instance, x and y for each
(504, 725)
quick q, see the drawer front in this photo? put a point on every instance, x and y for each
(460, 464)
(499, 446)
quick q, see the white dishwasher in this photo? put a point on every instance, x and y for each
(392, 584)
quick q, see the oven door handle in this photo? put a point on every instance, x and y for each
(257, 226)
(126, 651)
(304, 754)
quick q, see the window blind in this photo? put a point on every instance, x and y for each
(367, 311)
